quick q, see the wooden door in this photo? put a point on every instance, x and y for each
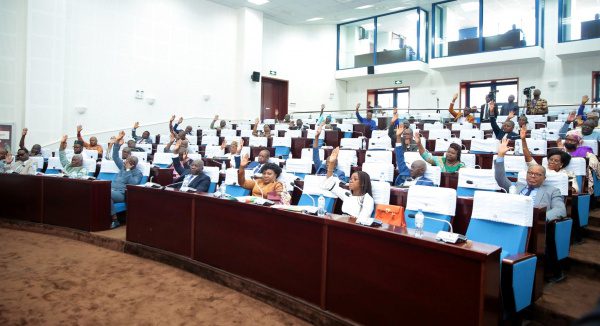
(274, 98)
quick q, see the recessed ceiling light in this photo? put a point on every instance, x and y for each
(348, 19)
(258, 2)
(314, 19)
(364, 7)
(397, 8)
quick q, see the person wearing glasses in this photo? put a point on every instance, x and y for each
(543, 195)
(22, 164)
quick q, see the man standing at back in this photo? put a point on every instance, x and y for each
(366, 121)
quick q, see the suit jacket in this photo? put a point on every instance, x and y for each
(201, 182)
(547, 196)
(484, 114)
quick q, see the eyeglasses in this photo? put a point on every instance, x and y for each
(535, 174)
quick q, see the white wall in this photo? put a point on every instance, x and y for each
(304, 55)
(13, 17)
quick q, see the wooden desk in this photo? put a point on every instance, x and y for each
(21, 197)
(76, 204)
(162, 176)
(357, 272)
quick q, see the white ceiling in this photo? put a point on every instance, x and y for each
(295, 12)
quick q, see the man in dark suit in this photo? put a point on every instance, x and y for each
(543, 195)
(192, 178)
(484, 112)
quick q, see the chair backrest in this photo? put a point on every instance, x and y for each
(410, 157)
(228, 133)
(593, 144)
(381, 142)
(462, 126)
(484, 126)
(90, 166)
(210, 140)
(39, 161)
(495, 222)
(282, 126)
(513, 163)
(312, 200)
(434, 202)
(213, 173)
(350, 121)
(549, 134)
(489, 145)
(54, 165)
(246, 133)
(352, 143)
(46, 153)
(536, 146)
(555, 125)
(282, 141)
(213, 151)
(293, 133)
(470, 160)
(160, 148)
(378, 156)
(470, 179)
(307, 154)
(379, 133)
(442, 144)
(208, 132)
(142, 156)
(471, 133)
(439, 133)
(345, 127)
(434, 173)
(298, 165)
(90, 154)
(236, 191)
(162, 159)
(108, 170)
(195, 156)
(311, 133)
(146, 147)
(432, 126)
(257, 141)
(145, 169)
(379, 171)
(381, 192)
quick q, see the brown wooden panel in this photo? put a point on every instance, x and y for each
(21, 197)
(77, 204)
(161, 219)
(280, 249)
(382, 278)
(298, 144)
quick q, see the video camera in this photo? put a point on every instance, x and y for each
(527, 91)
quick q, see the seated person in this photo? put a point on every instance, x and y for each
(557, 161)
(3, 153)
(507, 127)
(131, 145)
(286, 118)
(222, 124)
(22, 165)
(192, 178)
(265, 184)
(323, 117)
(587, 128)
(543, 195)
(523, 121)
(263, 158)
(368, 120)
(358, 202)
(144, 139)
(266, 132)
(299, 125)
(92, 145)
(73, 169)
(36, 150)
(416, 173)
(234, 153)
(450, 163)
(459, 116)
(573, 145)
(321, 166)
(173, 128)
(77, 147)
(128, 175)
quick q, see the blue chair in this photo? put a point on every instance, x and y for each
(471, 180)
(434, 202)
(236, 191)
(214, 174)
(305, 200)
(518, 266)
(145, 168)
(54, 166)
(282, 151)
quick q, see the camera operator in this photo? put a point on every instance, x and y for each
(484, 115)
(536, 105)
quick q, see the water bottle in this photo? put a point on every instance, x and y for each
(223, 167)
(419, 223)
(321, 203)
(223, 189)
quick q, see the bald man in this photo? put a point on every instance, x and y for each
(537, 105)
(92, 145)
(128, 175)
(74, 168)
(263, 158)
(416, 174)
(192, 179)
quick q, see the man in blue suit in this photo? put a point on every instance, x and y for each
(192, 178)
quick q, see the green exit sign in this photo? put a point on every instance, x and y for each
(397, 82)
(272, 72)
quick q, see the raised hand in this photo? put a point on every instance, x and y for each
(79, 128)
(454, 97)
(136, 125)
(511, 115)
(559, 143)
(395, 112)
(399, 130)
(63, 139)
(223, 144)
(322, 107)
(121, 135)
(492, 105)
(241, 143)
(572, 116)
(584, 99)
(523, 132)
(9, 158)
(334, 154)
(417, 137)
(357, 106)
(503, 148)
(180, 120)
(257, 121)
(172, 118)
(318, 133)
(24, 133)
(112, 140)
(244, 161)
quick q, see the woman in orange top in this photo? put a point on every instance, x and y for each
(458, 115)
(266, 184)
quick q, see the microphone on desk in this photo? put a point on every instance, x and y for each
(302, 191)
(444, 236)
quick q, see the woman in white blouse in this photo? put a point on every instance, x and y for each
(358, 202)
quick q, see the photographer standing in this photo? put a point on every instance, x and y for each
(537, 105)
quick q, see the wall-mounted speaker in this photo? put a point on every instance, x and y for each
(255, 76)
(371, 70)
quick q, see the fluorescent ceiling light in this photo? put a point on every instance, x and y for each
(364, 7)
(397, 8)
(258, 2)
(469, 6)
(348, 19)
(314, 19)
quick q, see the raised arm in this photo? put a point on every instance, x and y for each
(177, 165)
(580, 111)
(168, 146)
(493, 122)
(417, 137)
(79, 129)
(500, 174)
(212, 124)
(562, 133)
(332, 161)
(315, 150)
(247, 184)
(61, 151)
(526, 152)
(455, 114)
(117, 145)
(255, 128)
(399, 150)
(358, 114)
(135, 126)
(22, 141)
(171, 130)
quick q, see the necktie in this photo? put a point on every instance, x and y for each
(529, 190)
(257, 169)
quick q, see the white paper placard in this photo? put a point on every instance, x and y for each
(462, 126)
(513, 163)
(383, 142)
(293, 133)
(381, 192)
(210, 140)
(351, 121)
(307, 154)
(434, 173)
(212, 172)
(536, 146)
(489, 145)
(298, 165)
(442, 145)
(470, 160)
(313, 185)
(379, 170)
(282, 141)
(477, 179)
(378, 156)
(345, 127)
(436, 200)
(257, 141)
(557, 180)
(410, 157)
(351, 143)
(439, 134)
(471, 133)
(492, 206)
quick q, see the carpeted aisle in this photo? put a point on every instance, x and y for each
(47, 280)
